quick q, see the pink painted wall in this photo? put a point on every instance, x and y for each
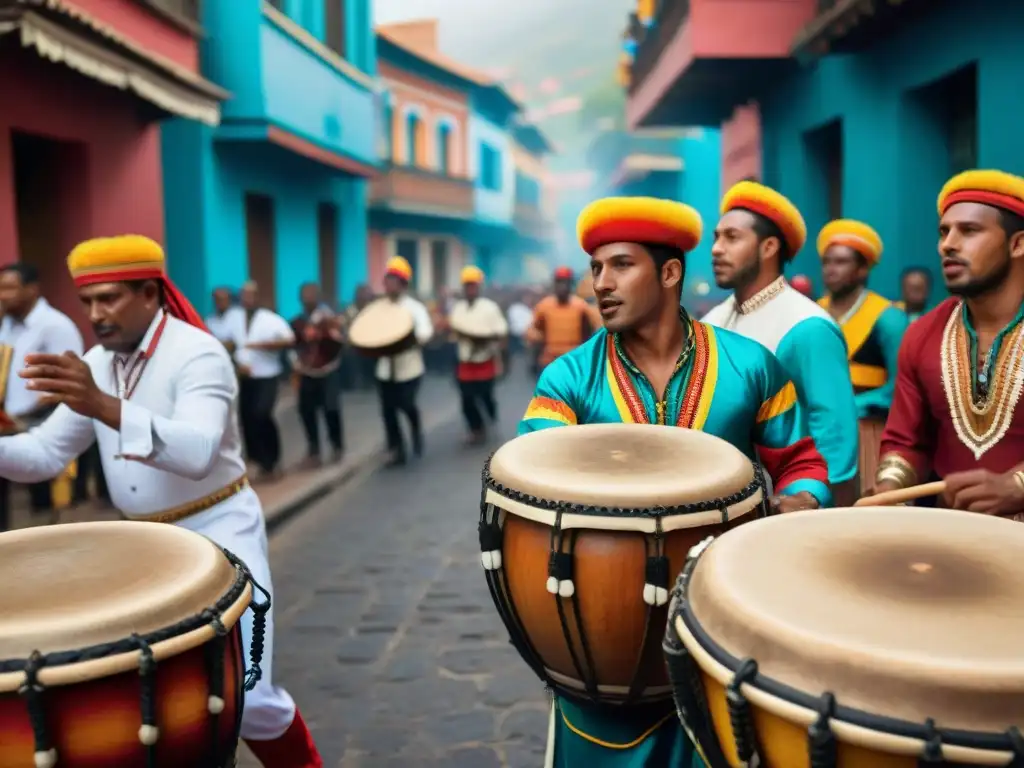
(377, 255)
(132, 20)
(741, 146)
(111, 178)
(722, 29)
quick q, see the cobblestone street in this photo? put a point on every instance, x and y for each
(387, 636)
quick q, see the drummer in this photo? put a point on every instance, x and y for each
(479, 355)
(956, 412)
(159, 394)
(399, 377)
(653, 364)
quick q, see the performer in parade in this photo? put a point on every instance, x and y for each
(399, 376)
(481, 330)
(759, 232)
(562, 321)
(159, 395)
(956, 412)
(873, 328)
(915, 288)
(652, 363)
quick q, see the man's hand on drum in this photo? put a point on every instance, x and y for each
(991, 493)
(794, 503)
(67, 379)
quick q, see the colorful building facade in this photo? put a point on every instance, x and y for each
(678, 164)
(278, 192)
(530, 258)
(862, 109)
(83, 89)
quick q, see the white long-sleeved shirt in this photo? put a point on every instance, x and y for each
(408, 365)
(264, 326)
(178, 440)
(43, 330)
(485, 316)
(229, 326)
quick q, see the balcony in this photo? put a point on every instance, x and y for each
(409, 190)
(701, 58)
(299, 94)
(848, 26)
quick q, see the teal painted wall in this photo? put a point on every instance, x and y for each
(205, 185)
(702, 182)
(895, 149)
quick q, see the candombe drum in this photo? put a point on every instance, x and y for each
(581, 529)
(474, 323)
(120, 645)
(853, 638)
(383, 328)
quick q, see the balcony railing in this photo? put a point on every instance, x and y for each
(668, 18)
(407, 187)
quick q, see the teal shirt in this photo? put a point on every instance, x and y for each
(887, 335)
(724, 384)
(813, 352)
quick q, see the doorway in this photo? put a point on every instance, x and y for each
(327, 240)
(439, 265)
(259, 241)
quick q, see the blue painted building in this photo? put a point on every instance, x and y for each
(677, 164)
(278, 191)
(865, 115)
(531, 256)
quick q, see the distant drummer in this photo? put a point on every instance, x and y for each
(653, 364)
(159, 395)
(481, 330)
(399, 376)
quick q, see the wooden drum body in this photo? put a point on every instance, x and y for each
(120, 646)
(382, 329)
(853, 638)
(581, 531)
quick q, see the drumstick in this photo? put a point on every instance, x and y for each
(901, 495)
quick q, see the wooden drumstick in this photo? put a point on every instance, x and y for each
(901, 495)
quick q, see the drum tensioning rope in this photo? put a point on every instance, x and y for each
(822, 745)
(32, 690)
(560, 569)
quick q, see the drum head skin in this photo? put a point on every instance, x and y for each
(380, 324)
(901, 612)
(622, 465)
(65, 587)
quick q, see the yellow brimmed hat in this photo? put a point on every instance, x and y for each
(471, 274)
(638, 220)
(398, 267)
(853, 234)
(775, 207)
(995, 188)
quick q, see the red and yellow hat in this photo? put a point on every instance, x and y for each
(398, 267)
(853, 234)
(471, 274)
(995, 188)
(638, 220)
(774, 206)
(563, 273)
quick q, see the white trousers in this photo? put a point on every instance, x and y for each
(236, 524)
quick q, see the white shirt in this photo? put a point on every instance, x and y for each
(263, 327)
(228, 327)
(178, 440)
(408, 365)
(520, 317)
(44, 330)
(485, 315)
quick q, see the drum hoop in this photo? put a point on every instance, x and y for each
(594, 510)
(132, 644)
(925, 732)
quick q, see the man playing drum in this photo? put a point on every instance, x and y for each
(159, 394)
(481, 329)
(759, 232)
(956, 412)
(652, 363)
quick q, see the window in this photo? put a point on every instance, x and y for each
(415, 140)
(439, 265)
(961, 102)
(490, 167)
(444, 150)
(387, 132)
(334, 25)
(527, 189)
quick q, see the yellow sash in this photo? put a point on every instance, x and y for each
(856, 330)
(6, 355)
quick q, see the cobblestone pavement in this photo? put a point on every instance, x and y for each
(387, 637)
